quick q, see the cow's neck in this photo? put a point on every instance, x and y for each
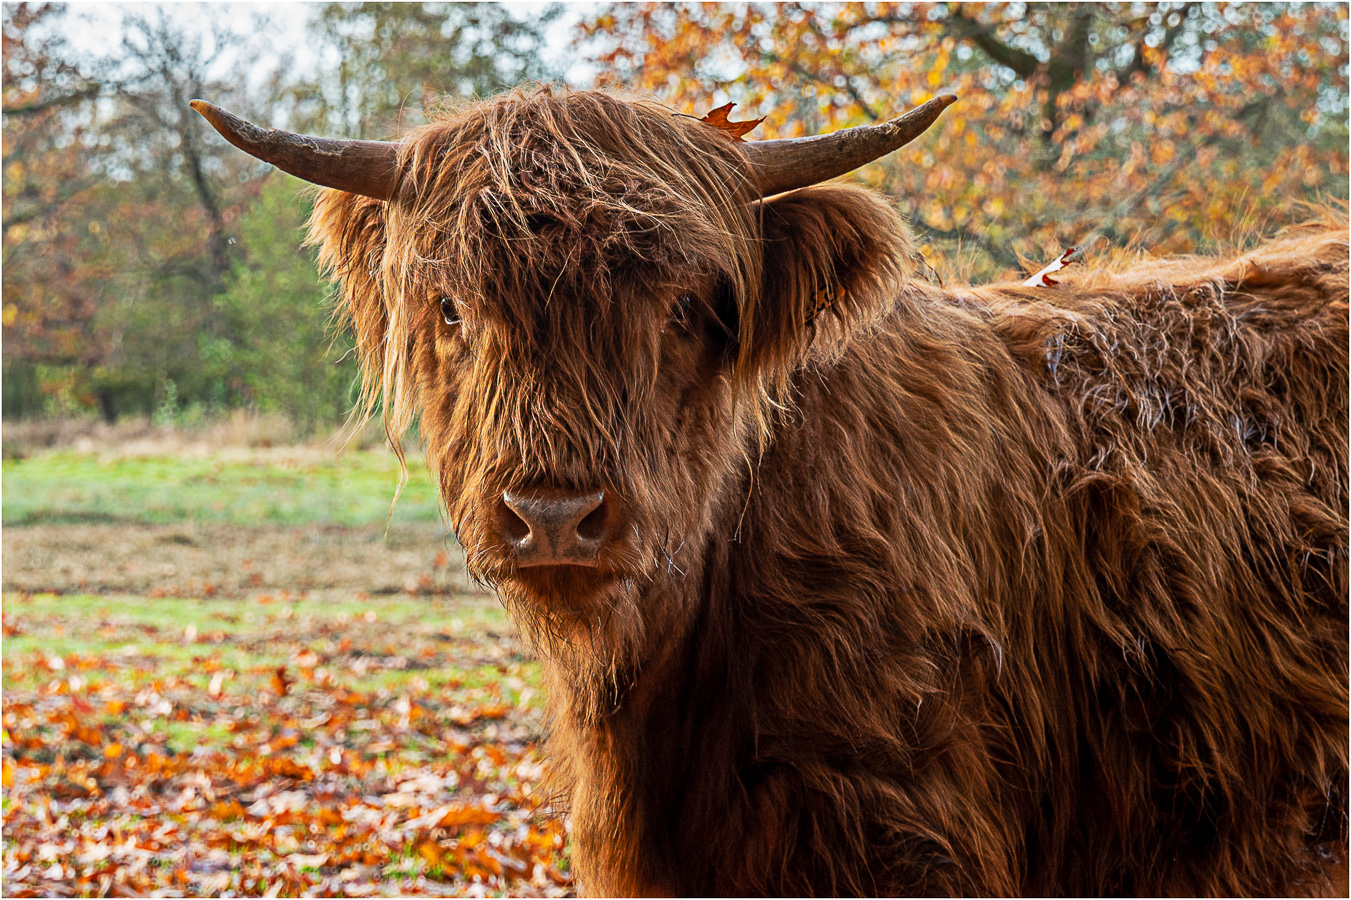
(629, 745)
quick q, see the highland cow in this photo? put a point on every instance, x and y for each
(846, 583)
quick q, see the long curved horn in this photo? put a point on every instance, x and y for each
(361, 167)
(791, 163)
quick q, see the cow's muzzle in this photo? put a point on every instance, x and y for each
(555, 527)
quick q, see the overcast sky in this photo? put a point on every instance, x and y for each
(95, 28)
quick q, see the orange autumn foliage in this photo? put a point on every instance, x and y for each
(1172, 127)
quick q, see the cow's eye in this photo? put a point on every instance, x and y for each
(680, 311)
(448, 311)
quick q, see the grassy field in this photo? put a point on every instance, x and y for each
(233, 673)
(287, 486)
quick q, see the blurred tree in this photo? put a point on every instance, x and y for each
(165, 161)
(170, 64)
(382, 63)
(277, 352)
(151, 268)
(117, 215)
(48, 107)
(40, 84)
(1171, 125)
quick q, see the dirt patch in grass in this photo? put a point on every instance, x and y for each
(237, 429)
(224, 560)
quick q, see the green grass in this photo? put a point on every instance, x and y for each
(68, 487)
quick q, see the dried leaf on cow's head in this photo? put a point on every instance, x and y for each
(735, 130)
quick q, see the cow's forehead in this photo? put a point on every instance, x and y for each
(602, 248)
(578, 187)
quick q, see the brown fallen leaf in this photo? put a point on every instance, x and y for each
(735, 130)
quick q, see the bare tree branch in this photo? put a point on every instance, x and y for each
(807, 75)
(1069, 59)
(37, 106)
(68, 189)
(1024, 64)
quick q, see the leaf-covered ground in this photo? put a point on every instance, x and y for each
(204, 708)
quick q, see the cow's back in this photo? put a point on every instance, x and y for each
(1209, 406)
(1085, 550)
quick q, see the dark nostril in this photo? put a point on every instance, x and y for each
(592, 528)
(513, 527)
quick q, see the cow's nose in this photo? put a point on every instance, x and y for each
(550, 527)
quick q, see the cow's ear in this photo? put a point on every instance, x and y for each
(834, 257)
(351, 233)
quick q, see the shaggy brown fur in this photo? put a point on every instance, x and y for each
(974, 591)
